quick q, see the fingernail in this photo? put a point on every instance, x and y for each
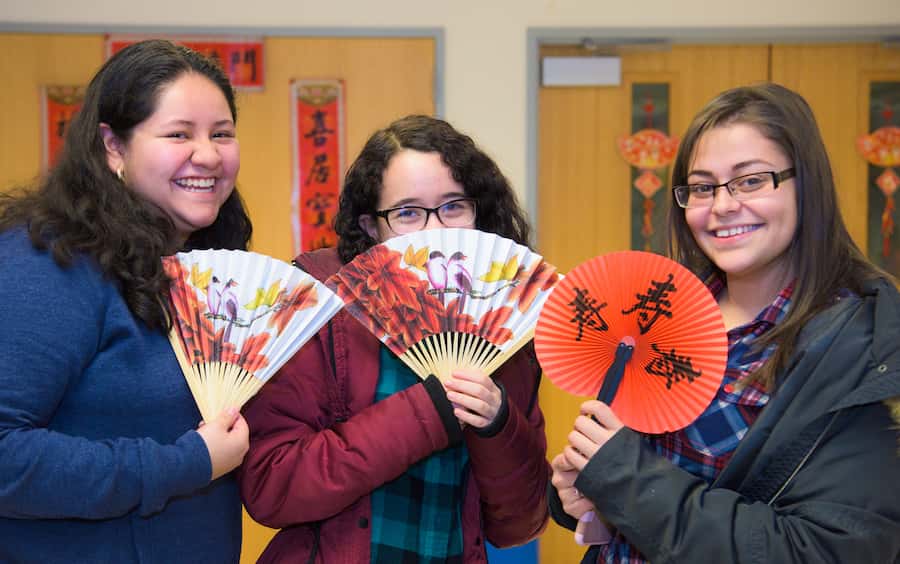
(588, 517)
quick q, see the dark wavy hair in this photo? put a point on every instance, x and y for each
(824, 257)
(498, 209)
(81, 207)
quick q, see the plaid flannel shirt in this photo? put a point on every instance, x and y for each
(416, 517)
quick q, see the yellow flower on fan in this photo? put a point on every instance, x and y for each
(500, 271)
(416, 259)
(200, 279)
(265, 297)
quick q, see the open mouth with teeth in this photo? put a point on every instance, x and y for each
(734, 231)
(196, 184)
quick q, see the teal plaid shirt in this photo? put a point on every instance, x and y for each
(416, 517)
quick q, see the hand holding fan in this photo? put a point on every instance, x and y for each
(443, 299)
(640, 332)
(237, 317)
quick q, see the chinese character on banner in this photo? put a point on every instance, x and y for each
(317, 142)
(240, 57)
(59, 104)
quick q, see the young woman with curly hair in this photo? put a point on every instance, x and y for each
(101, 461)
(354, 457)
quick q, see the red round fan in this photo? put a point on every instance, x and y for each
(640, 332)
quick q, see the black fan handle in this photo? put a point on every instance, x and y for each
(614, 374)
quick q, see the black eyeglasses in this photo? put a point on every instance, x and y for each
(406, 219)
(742, 188)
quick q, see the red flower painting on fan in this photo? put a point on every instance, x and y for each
(410, 308)
(202, 341)
(406, 312)
(445, 282)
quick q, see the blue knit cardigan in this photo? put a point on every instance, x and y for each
(99, 461)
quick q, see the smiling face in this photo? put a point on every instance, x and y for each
(184, 157)
(749, 239)
(413, 178)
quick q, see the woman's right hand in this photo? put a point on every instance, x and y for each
(227, 439)
(563, 479)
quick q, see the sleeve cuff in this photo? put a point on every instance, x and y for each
(444, 408)
(499, 421)
(187, 468)
(559, 515)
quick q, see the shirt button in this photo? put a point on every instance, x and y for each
(363, 522)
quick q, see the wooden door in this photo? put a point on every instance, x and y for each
(835, 80)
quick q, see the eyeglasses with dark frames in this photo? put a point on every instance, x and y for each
(459, 212)
(742, 188)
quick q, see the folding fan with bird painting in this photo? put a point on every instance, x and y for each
(237, 317)
(444, 299)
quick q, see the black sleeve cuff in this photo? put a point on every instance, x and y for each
(444, 408)
(499, 421)
(556, 509)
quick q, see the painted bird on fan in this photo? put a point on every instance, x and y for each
(459, 276)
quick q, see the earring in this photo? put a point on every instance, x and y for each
(120, 174)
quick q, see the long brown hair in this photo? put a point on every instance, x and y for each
(81, 208)
(824, 257)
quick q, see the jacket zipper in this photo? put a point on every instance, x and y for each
(803, 460)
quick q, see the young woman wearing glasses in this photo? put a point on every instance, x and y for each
(354, 457)
(796, 458)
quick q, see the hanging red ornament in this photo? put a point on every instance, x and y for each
(882, 148)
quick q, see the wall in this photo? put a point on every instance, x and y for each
(485, 56)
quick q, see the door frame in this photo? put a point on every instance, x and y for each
(660, 38)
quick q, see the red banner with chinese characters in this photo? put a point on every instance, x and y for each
(240, 57)
(59, 104)
(317, 141)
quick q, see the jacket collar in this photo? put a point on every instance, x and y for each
(882, 381)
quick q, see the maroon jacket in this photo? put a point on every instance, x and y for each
(319, 447)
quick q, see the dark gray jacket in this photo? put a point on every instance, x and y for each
(816, 478)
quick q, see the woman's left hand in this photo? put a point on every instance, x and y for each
(563, 479)
(475, 397)
(590, 434)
